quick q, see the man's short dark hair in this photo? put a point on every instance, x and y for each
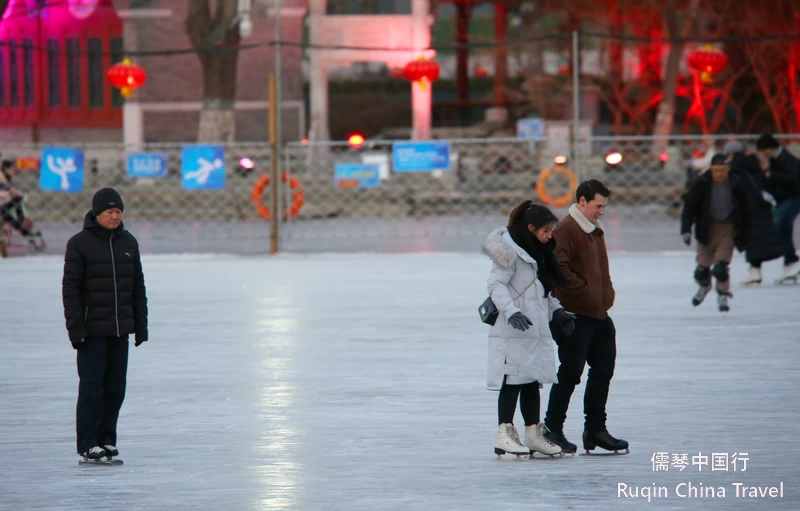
(589, 189)
(7, 164)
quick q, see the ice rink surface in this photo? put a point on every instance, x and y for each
(356, 382)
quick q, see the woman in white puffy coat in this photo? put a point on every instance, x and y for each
(522, 352)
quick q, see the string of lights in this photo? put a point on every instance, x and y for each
(219, 48)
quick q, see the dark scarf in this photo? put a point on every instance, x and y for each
(549, 271)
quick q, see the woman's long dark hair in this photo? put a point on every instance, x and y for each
(538, 216)
(534, 214)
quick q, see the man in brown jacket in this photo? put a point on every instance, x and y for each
(586, 290)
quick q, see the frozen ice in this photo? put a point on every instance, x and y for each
(357, 381)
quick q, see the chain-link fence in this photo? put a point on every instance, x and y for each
(454, 209)
(164, 216)
(339, 198)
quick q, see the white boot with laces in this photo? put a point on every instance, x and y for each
(753, 277)
(535, 440)
(508, 441)
(790, 272)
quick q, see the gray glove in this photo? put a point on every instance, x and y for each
(520, 321)
(687, 238)
(566, 320)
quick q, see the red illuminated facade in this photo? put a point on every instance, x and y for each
(54, 64)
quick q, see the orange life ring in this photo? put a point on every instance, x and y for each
(541, 187)
(297, 196)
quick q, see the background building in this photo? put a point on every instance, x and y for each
(53, 85)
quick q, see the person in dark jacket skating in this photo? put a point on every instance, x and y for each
(782, 181)
(762, 242)
(12, 209)
(716, 206)
(104, 301)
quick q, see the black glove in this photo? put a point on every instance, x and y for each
(566, 320)
(520, 321)
(687, 238)
(137, 342)
(79, 345)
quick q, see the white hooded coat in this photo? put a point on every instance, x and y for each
(522, 357)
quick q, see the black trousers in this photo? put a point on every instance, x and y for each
(593, 342)
(102, 369)
(528, 395)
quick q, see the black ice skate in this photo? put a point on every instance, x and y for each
(97, 456)
(558, 438)
(700, 295)
(603, 440)
(111, 451)
(36, 241)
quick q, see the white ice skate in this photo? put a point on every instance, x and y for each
(753, 277)
(536, 442)
(700, 295)
(790, 273)
(508, 441)
(722, 302)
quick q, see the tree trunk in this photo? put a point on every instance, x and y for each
(216, 38)
(666, 110)
(463, 13)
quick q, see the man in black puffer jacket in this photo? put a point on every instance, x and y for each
(104, 301)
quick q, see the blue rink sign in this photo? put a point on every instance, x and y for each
(203, 167)
(61, 170)
(420, 156)
(357, 175)
(147, 165)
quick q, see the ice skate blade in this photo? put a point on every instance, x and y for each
(513, 457)
(500, 452)
(790, 280)
(99, 461)
(750, 284)
(607, 453)
(542, 456)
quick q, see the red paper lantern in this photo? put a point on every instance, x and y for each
(422, 71)
(481, 72)
(126, 77)
(708, 61)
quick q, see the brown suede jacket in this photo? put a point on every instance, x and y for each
(582, 257)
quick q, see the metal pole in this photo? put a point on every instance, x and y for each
(275, 107)
(576, 110)
(275, 173)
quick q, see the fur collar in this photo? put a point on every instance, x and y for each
(584, 223)
(502, 250)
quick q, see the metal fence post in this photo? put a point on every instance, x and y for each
(275, 179)
(576, 110)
